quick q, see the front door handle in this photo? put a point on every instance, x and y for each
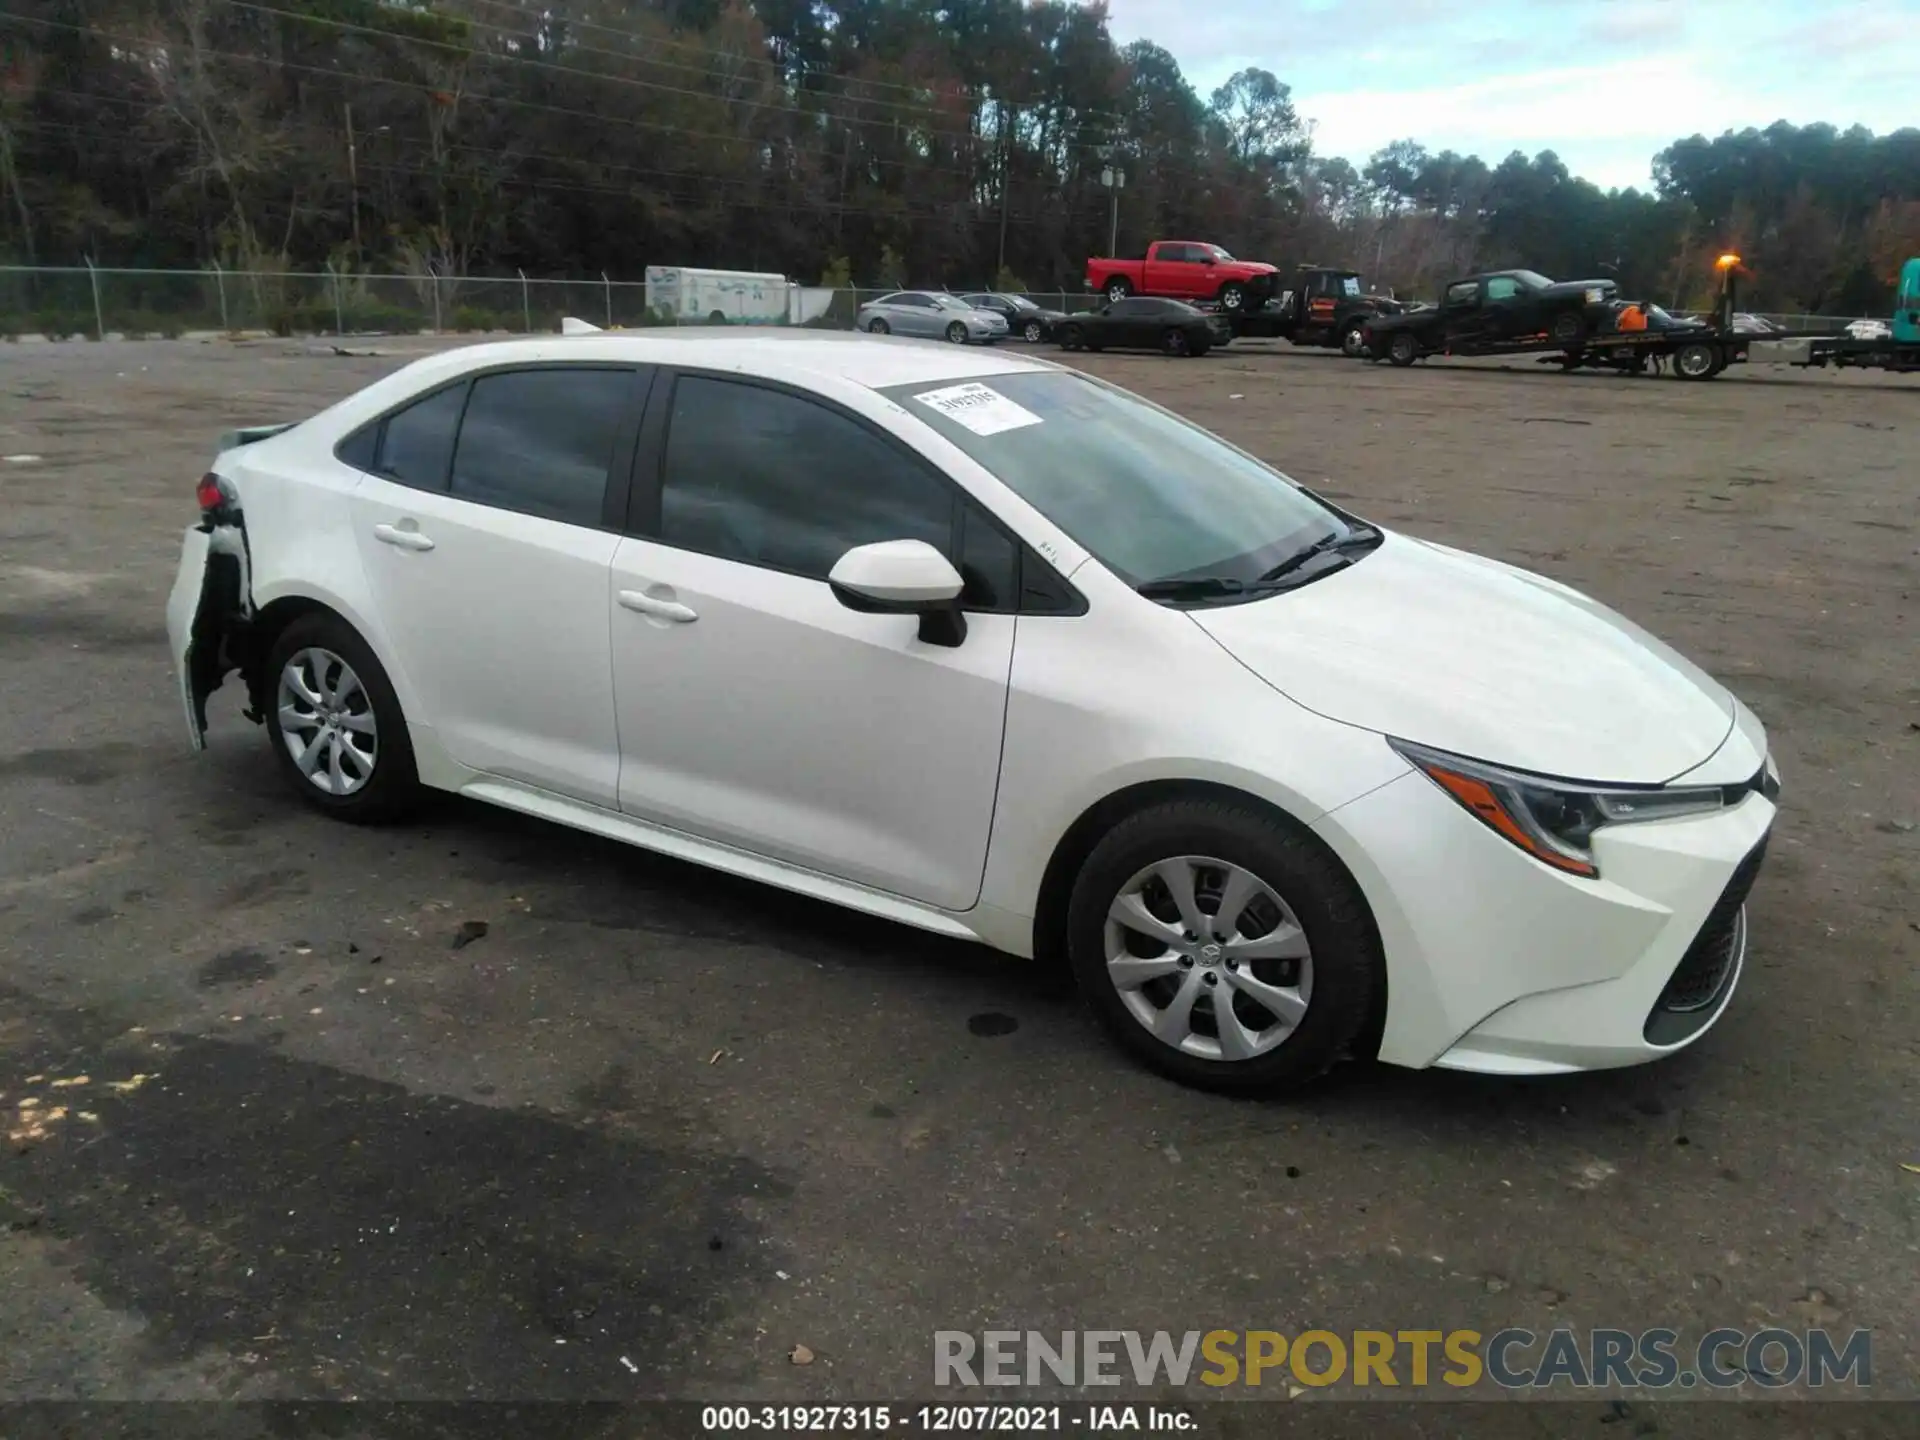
(405, 536)
(659, 609)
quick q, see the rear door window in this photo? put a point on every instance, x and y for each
(416, 444)
(540, 442)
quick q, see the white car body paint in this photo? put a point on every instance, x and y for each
(743, 718)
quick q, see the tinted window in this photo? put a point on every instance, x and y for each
(539, 441)
(989, 563)
(417, 442)
(768, 478)
(1502, 287)
(361, 449)
(1133, 309)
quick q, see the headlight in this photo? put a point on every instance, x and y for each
(1549, 819)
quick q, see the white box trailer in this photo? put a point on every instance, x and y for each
(720, 297)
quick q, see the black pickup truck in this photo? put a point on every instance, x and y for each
(1322, 305)
(1495, 313)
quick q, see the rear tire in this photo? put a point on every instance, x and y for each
(320, 655)
(1118, 289)
(879, 327)
(1403, 349)
(1697, 360)
(1330, 972)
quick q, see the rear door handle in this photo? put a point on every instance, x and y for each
(659, 609)
(405, 538)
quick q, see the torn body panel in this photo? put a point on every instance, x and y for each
(210, 616)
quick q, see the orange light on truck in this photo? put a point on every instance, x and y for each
(1727, 262)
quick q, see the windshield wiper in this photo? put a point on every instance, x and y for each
(1196, 587)
(1208, 587)
(1355, 537)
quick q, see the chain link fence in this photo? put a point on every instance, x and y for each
(95, 303)
(86, 302)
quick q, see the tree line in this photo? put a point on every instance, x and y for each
(874, 142)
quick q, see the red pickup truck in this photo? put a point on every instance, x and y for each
(1186, 270)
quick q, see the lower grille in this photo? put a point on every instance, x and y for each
(1701, 977)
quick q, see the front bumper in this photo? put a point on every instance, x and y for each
(1497, 963)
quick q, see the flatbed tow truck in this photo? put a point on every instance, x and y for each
(1637, 335)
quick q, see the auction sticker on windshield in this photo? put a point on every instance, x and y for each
(982, 409)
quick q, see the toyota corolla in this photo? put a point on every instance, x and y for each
(990, 647)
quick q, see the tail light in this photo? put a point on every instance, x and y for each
(214, 495)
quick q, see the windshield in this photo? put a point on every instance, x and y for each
(1150, 496)
(1532, 279)
(1217, 252)
(1020, 302)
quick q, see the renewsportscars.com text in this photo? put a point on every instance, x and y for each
(1513, 1359)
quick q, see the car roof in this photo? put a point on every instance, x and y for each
(872, 361)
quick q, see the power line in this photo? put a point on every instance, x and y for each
(918, 211)
(782, 106)
(576, 23)
(336, 73)
(496, 152)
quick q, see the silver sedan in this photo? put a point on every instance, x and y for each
(933, 314)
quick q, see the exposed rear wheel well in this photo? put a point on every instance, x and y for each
(1056, 885)
(265, 629)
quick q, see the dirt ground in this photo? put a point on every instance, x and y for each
(658, 1127)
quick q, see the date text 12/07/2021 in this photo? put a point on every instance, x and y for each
(946, 1419)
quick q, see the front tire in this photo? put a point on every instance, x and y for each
(1071, 338)
(957, 333)
(336, 724)
(1195, 904)
(1034, 333)
(1403, 349)
(1118, 289)
(1233, 297)
(1353, 342)
(1569, 330)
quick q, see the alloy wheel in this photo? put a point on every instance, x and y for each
(327, 722)
(1208, 958)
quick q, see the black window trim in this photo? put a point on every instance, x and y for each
(1033, 573)
(620, 471)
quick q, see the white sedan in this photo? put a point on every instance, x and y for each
(987, 646)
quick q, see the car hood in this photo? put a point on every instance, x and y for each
(1567, 289)
(1466, 654)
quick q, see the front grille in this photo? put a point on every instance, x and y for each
(1701, 977)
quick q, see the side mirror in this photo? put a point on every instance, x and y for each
(903, 577)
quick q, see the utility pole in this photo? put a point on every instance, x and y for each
(1115, 179)
(353, 184)
(1006, 191)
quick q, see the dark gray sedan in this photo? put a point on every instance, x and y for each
(1031, 322)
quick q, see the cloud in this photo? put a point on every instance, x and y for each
(1605, 84)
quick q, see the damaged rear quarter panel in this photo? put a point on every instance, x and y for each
(291, 540)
